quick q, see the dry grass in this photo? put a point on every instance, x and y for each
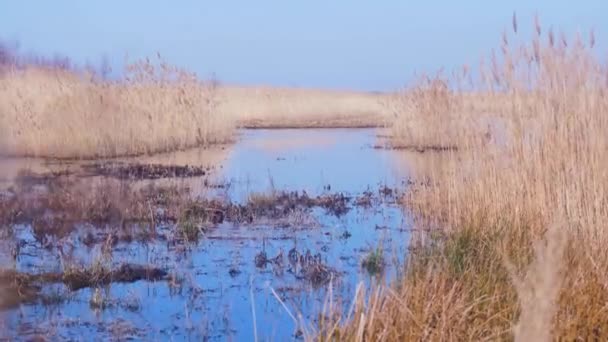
(510, 231)
(53, 112)
(266, 107)
(434, 115)
(429, 106)
(48, 108)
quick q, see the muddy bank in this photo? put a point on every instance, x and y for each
(19, 287)
(419, 149)
(272, 206)
(137, 171)
(115, 169)
(63, 204)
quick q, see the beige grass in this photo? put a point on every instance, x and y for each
(268, 107)
(56, 113)
(50, 112)
(430, 115)
(510, 234)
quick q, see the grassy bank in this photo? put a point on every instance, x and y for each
(55, 112)
(510, 228)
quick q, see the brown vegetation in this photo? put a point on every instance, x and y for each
(56, 204)
(50, 109)
(55, 112)
(510, 228)
(17, 288)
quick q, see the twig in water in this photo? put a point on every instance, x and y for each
(284, 306)
(255, 327)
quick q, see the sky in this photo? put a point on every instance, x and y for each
(338, 44)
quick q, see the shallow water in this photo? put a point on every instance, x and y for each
(219, 293)
(303, 159)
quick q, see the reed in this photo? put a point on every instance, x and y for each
(510, 227)
(52, 111)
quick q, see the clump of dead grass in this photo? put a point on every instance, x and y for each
(511, 230)
(56, 112)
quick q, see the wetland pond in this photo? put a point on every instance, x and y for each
(272, 229)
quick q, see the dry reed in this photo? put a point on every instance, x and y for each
(55, 112)
(49, 108)
(510, 230)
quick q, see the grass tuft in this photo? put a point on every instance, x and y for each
(373, 263)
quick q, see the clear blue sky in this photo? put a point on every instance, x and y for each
(356, 44)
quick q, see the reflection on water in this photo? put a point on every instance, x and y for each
(216, 289)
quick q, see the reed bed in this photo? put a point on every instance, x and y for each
(273, 107)
(50, 107)
(510, 228)
(51, 111)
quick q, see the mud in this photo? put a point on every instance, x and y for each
(19, 287)
(143, 171)
(27, 177)
(305, 266)
(126, 273)
(311, 267)
(419, 149)
(62, 205)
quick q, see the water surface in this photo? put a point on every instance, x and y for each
(218, 292)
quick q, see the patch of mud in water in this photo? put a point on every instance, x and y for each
(322, 211)
(196, 168)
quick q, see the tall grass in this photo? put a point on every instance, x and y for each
(52, 108)
(511, 229)
(54, 111)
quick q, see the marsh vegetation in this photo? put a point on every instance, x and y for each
(510, 225)
(89, 239)
(474, 208)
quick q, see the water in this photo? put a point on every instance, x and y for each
(218, 289)
(308, 160)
